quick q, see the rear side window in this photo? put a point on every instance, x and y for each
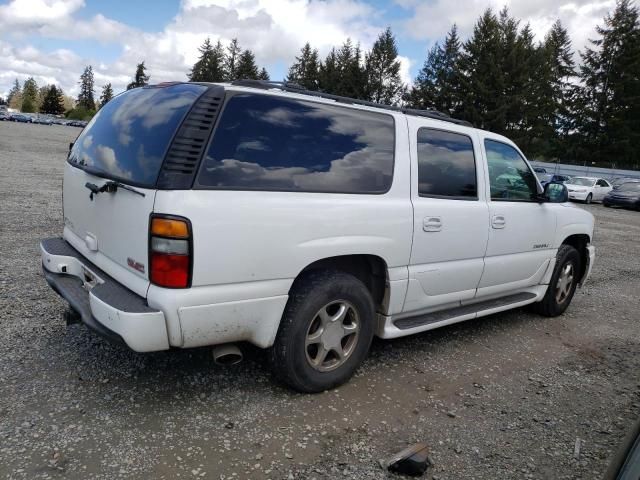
(265, 142)
(128, 138)
(446, 165)
(510, 177)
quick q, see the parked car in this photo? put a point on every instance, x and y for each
(548, 177)
(539, 170)
(625, 464)
(588, 189)
(212, 214)
(19, 117)
(42, 120)
(626, 195)
(622, 180)
(4, 116)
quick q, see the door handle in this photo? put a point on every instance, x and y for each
(498, 221)
(432, 224)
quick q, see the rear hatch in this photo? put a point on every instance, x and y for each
(121, 152)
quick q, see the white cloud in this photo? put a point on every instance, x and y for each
(432, 20)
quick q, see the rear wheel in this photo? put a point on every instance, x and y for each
(325, 332)
(589, 199)
(563, 283)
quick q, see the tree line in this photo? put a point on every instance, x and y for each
(500, 79)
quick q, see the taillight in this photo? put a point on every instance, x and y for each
(170, 254)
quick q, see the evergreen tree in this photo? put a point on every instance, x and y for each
(609, 99)
(263, 75)
(140, 78)
(210, 66)
(42, 93)
(383, 71)
(53, 102)
(106, 95)
(29, 96)
(3, 101)
(351, 75)
(247, 68)
(437, 85)
(305, 71)
(328, 74)
(231, 60)
(14, 99)
(85, 97)
(481, 76)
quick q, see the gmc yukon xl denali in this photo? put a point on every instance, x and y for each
(304, 223)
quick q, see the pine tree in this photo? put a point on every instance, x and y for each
(351, 75)
(210, 66)
(437, 85)
(14, 99)
(329, 74)
(106, 95)
(383, 71)
(247, 68)
(482, 79)
(140, 78)
(52, 102)
(231, 60)
(609, 99)
(305, 71)
(263, 75)
(85, 97)
(29, 96)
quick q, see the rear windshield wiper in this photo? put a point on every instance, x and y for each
(110, 187)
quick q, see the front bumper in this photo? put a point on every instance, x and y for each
(621, 202)
(591, 251)
(104, 305)
(580, 196)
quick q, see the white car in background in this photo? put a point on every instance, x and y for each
(588, 189)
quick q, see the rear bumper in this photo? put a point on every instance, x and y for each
(104, 305)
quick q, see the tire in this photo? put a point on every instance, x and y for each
(553, 303)
(305, 332)
(588, 199)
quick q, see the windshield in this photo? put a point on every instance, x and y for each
(128, 138)
(585, 182)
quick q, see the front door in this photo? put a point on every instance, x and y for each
(522, 230)
(451, 219)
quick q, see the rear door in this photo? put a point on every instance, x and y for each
(451, 218)
(124, 146)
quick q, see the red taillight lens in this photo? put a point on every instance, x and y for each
(170, 252)
(170, 270)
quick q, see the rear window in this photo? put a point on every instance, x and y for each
(128, 138)
(264, 142)
(630, 187)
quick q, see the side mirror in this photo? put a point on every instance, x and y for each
(556, 192)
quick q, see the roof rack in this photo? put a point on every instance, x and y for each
(297, 88)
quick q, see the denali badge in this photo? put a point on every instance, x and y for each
(135, 265)
(540, 245)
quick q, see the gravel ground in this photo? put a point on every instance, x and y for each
(508, 396)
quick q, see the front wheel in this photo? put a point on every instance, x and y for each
(563, 283)
(589, 199)
(325, 332)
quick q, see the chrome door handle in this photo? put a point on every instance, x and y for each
(432, 224)
(498, 221)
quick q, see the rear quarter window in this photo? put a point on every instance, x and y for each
(265, 142)
(128, 138)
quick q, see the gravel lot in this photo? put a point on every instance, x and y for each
(508, 396)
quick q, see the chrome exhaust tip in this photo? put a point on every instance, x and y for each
(227, 354)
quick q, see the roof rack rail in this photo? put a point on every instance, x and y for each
(297, 88)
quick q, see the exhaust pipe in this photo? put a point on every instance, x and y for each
(227, 354)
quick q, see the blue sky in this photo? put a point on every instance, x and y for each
(52, 40)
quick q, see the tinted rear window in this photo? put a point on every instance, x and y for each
(128, 138)
(446, 165)
(265, 142)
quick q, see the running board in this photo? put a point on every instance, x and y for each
(442, 315)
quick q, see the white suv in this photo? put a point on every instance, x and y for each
(207, 214)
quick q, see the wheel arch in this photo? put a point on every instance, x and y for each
(579, 241)
(372, 270)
